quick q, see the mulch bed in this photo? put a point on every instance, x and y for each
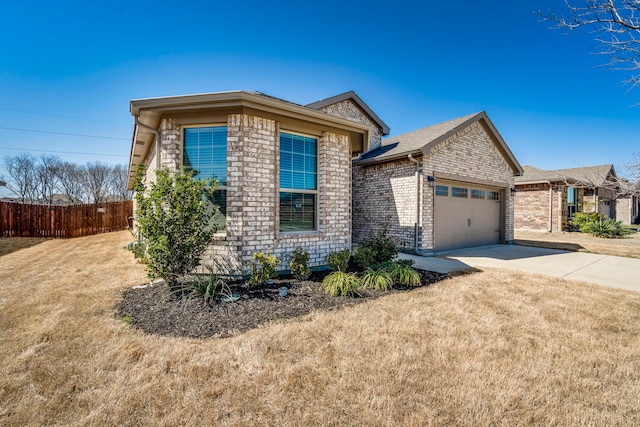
(156, 310)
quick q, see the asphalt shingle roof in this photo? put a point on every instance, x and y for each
(589, 175)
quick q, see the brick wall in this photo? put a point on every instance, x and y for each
(385, 197)
(253, 194)
(385, 194)
(348, 110)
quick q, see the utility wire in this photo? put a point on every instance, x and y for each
(63, 152)
(64, 133)
(64, 117)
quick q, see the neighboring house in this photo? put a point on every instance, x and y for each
(546, 200)
(3, 184)
(285, 173)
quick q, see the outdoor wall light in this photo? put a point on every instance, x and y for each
(431, 180)
(513, 191)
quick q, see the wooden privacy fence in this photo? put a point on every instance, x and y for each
(22, 220)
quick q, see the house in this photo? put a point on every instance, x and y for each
(547, 199)
(442, 187)
(308, 176)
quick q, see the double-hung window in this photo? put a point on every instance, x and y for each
(205, 153)
(298, 182)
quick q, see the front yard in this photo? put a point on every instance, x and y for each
(628, 246)
(489, 348)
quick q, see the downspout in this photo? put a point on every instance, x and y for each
(550, 207)
(416, 227)
(156, 132)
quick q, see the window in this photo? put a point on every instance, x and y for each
(205, 153)
(298, 182)
(571, 196)
(458, 192)
(442, 190)
(493, 195)
(477, 194)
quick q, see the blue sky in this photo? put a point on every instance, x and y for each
(72, 67)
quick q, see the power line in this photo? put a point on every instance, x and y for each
(62, 152)
(65, 133)
(64, 117)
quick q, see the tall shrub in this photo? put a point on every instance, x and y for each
(173, 221)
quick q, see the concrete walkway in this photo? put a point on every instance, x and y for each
(606, 270)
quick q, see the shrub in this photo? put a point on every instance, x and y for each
(402, 272)
(606, 228)
(299, 264)
(375, 249)
(340, 283)
(173, 223)
(579, 219)
(379, 280)
(338, 261)
(263, 267)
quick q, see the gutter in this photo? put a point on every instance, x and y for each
(416, 227)
(156, 132)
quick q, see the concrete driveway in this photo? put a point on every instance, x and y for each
(606, 270)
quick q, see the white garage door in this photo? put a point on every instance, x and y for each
(466, 215)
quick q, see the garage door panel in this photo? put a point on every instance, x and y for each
(466, 221)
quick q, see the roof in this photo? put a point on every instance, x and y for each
(351, 95)
(149, 111)
(421, 141)
(588, 175)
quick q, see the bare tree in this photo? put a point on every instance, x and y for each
(71, 182)
(47, 178)
(119, 183)
(616, 24)
(22, 173)
(96, 178)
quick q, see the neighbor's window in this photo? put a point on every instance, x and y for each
(571, 196)
(298, 182)
(458, 192)
(493, 195)
(442, 190)
(477, 194)
(205, 153)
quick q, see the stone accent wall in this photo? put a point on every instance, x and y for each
(469, 154)
(385, 197)
(348, 110)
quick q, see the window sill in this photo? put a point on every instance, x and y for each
(295, 234)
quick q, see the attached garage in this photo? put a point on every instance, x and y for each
(443, 187)
(466, 215)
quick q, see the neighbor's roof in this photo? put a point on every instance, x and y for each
(351, 95)
(2, 183)
(589, 175)
(423, 140)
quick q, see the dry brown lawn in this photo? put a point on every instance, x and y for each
(490, 348)
(13, 244)
(628, 246)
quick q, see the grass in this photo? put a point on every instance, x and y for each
(12, 244)
(628, 246)
(489, 348)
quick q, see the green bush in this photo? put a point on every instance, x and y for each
(379, 280)
(606, 228)
(338, 261)
(173, 223)
(340, 283)
(375, 249)
(402, 272)
(579, 219)
(299, 264)
(263, 267)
